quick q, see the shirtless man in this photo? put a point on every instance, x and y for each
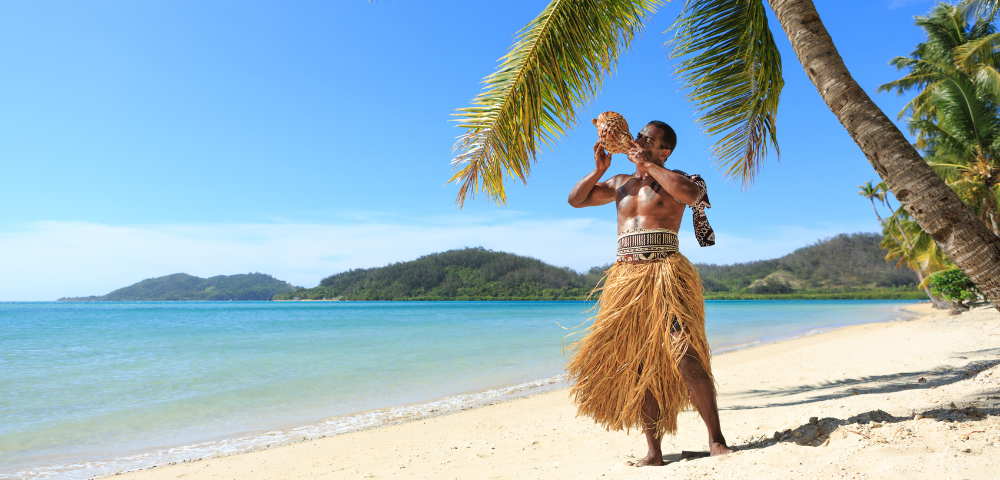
(655, 198)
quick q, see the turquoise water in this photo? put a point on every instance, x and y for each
(92, 388)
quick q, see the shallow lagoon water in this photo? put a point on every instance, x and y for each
(94, 388)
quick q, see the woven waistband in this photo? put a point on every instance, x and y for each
(646, 244)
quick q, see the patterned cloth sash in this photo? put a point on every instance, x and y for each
(702, 229)
(646, 244)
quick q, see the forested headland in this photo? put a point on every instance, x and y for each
(181, 286)
(845, 266)
(467, 274)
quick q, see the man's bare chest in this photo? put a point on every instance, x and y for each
(644, 198)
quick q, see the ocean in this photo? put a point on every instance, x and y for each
(89, 389)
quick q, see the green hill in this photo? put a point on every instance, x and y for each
(845, 266)
(468, 274)
(181, 286)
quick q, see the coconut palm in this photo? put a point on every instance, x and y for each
(732, 69)
(956, 114)
(914, 249)
(883, 194)
(957, 52)
(899, 247)
(883, 189)
(872, 193)
(977, 183)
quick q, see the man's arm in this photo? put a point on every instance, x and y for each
(677, 185)
(588, 192)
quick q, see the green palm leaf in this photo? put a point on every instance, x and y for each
(987, 79)
(733, 70)
(965, 115)
(985, 10)
(556, 65)
(981, 51)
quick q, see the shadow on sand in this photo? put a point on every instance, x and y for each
(818, 430)
(874, 384)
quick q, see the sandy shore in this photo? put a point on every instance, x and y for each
(868, 387)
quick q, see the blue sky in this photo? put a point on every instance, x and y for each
(304, 138)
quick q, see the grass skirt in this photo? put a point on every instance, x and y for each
(629, 349)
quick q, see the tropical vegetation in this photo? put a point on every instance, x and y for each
(955, 116)
(956, 111)
(845, 266)
(953, 285)
(466, 274)
(733, 73)
(904, 241)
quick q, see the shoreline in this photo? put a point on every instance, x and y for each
(298, 434)
(888, 296)
(776, 339)
(382, 417)
(891, 296)
(408, 412)
(457, 426)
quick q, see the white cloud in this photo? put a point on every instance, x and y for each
(47, 260)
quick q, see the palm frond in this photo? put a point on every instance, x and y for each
(947, 172)
(945, 28)
(556, 65)
(964, 114)
(733, 70)
(987, 79)
(922, 73)
(983, 10)
(931, 135)
(981, 51)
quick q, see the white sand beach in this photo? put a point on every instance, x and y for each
(914, 399)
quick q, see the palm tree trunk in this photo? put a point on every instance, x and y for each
(960, 234)
(880, 221)
(938, 303)
(899, 226)
(992, 209)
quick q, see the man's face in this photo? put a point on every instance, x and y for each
(650, 138)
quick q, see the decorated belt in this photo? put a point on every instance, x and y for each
(646, 244)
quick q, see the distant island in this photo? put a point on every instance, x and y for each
(181, 286)
(467, 274)
(844, 266)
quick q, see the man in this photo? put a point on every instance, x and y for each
(645, 357)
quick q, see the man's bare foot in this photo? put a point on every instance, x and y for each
(717, 448)
(651, 460)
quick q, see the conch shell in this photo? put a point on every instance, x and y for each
(612, 130)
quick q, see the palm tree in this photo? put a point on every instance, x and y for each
(871, 193)
(901, 249)
(733, 68)
(914, 249)
(883, 191)
(977, 183)
(956, 114)
(956, 52)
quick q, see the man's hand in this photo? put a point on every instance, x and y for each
(602, 159)
(640, 157)
(590, 191)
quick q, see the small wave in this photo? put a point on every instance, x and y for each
(738, 346)
(325, 428)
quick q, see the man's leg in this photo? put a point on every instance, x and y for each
(650, 413)
(703, 397)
